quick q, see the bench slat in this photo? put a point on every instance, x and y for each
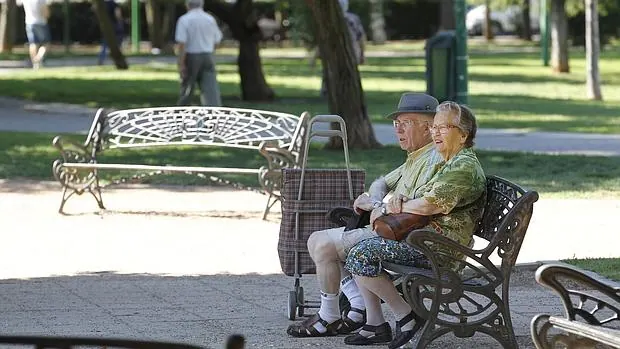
(602, 335)
(161, 168)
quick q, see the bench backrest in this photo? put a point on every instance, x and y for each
(507, 214)
(222, 126)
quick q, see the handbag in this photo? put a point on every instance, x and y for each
(396, 226)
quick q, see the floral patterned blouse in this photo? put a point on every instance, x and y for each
(458, 188)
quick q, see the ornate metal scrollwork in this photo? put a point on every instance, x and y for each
(199, 125)
(75, 179)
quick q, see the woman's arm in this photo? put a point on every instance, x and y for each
(421, 206)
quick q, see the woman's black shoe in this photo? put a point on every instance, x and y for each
(402, 337)
(383, 334)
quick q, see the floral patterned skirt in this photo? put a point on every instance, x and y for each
(365, 258)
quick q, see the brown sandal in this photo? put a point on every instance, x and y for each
(349, 325)
(307, 329)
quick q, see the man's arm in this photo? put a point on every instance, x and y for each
(181, 54)
(362, 48)
(374, 199)
(378, 189)
(180, 36)
(218, 35)
(119, 14)
(45, 9)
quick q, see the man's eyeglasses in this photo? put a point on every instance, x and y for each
(443, 129)
(404, 123)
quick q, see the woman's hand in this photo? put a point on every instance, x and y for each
(376, 213)
(395, 204)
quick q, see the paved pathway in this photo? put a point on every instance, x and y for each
(159, 264)
(18, 115)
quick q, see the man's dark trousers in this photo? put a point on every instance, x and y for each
(200, 68)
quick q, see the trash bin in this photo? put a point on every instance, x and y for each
(441, 66)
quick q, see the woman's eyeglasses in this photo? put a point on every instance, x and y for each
(443, 129)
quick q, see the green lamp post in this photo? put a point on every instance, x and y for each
(461, 51)
(135, 26)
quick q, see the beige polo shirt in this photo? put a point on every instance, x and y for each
(418, 169)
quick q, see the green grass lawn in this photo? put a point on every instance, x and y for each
(30, 155)
(607, 267)
(508, 90)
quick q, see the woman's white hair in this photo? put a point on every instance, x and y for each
(194, 3)
(344, 4)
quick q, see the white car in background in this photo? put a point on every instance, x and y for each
(502, 21)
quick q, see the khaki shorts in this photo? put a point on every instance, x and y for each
(345, 240)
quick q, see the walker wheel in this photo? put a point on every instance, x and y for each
(292, 305)
(300, 302)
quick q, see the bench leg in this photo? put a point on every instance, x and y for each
(93, 189)
(96, 193)
(270, 204)
(64, 199)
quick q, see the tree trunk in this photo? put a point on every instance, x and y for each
(446, 15)
(526, 31)
(107, 29)
(154, 23)
(7, 25)
(344, 87)
(377, 22)
(242, 21)
(593, 78)
(167, 27)
(488, 26)
(559, 37)
(253, 84)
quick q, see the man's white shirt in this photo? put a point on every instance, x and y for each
(198, 31)
(34, 11)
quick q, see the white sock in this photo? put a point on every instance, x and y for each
(350, 289)
(329, 311)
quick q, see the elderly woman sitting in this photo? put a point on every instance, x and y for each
(454, 200)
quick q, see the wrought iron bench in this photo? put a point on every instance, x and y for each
(467, 301)
(592, 311)
(277, 136)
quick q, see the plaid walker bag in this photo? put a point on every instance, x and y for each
(323, 190)
(307, 196)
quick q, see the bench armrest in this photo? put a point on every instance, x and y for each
(270, 176)
(73, 152)
(581, 295)
(444, 253)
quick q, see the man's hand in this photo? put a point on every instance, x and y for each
(182, 71)
(363, 203)
(395, 204)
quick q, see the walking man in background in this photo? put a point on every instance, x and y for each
(116, 17)
(196, 35)
(38, 33)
